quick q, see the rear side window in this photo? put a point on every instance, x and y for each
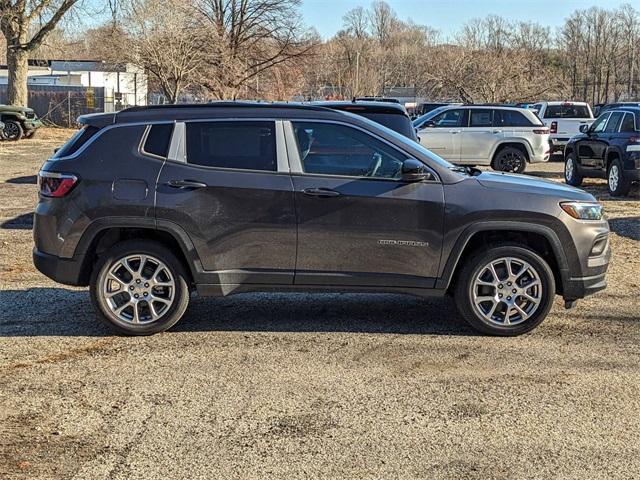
(567, 111)
(395, 121)
(158, 139)
(81, 137)
(241, 145)
(628, 125)
(480, 118)
(510, 118)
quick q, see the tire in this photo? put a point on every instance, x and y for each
(571, 174)
(480, 315)
(618, 185)
(510, 159)
(170, 299)
(12, 130)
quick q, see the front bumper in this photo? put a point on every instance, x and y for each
(68, 271)
(575, 288)
(32, 124)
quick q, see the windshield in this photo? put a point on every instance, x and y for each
(567, 111)
(421, 120)
(399, 123)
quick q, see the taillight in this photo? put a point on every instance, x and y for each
(53, 184)
(541, 131)
(554, 127)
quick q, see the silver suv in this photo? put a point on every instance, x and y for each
(506, 138)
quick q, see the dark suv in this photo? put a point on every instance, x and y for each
(609, 148)
(148, 204)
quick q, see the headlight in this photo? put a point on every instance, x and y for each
(583, 210)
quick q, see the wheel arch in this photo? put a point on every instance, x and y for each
(520, 144)
(101, 235)
(540, 238)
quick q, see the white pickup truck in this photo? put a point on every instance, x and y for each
(564, 120)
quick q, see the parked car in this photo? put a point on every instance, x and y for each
(390, 114)
(150, 203)
(18, 122)
(426, 107)
(610, 106)
(564, 120)
(609, 148)
(504, 137)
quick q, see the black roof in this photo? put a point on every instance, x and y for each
(185, 111)
(362, 106)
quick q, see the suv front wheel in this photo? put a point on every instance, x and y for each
(139, 288)
(506, 290)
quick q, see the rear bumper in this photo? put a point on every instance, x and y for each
(32, 124)
(68, 271)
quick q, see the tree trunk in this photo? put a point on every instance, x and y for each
(18, 65)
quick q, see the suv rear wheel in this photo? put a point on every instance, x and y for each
(618, 185)
(139, 288)
(571, 174)
(510, 159)
(506, 290)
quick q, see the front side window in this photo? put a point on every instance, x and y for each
(628, 125)
(243, 145)
(600, 123)
(449, 119)
(614, 122)
(331, 149)
(481, 118)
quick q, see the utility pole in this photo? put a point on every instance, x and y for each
(357, 89)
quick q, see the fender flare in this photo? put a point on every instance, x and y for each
(452, 263)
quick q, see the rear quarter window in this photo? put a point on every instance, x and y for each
(158, 139)
(510, 118)
(74, 144)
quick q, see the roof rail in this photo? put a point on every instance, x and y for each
(221, 104)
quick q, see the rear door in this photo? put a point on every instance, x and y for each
(442, 136)
(480, 137)
(227, 185)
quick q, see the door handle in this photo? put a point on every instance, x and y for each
(186, 184)
(320, 192)
(496, 131)
(454, 131)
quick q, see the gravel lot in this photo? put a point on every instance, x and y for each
(311, 386)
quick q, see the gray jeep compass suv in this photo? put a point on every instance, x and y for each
(148, 204)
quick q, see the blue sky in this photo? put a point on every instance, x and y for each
(449, 16)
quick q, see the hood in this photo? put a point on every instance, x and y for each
(527, 184)
(16, 109)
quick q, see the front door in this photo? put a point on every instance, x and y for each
(230, 194)
(442, 134)
(358, 223)
(592, 146)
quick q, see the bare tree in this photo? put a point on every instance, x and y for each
(25, 24)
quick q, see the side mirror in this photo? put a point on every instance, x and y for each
(415, 171)
(584, 128)
(429, 124)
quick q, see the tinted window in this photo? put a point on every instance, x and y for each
(480, 118)
(449, 118)
(242, 145)
(81, 137)
(567, 111)
(157, 142)
(332, 149)
(397, 122)
(614, 122)
(628, 125)
(599, 124)
(510, 118)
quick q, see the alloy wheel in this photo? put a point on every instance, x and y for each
(614, 178)
(138, 289)
(506, 291)
(568, 170)
(11, 131)
(511, 162)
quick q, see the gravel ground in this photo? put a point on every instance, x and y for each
(311, 386)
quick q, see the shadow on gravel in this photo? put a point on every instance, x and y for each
(30, 179)
(62, 312)
(21, 222)
(626, 227)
